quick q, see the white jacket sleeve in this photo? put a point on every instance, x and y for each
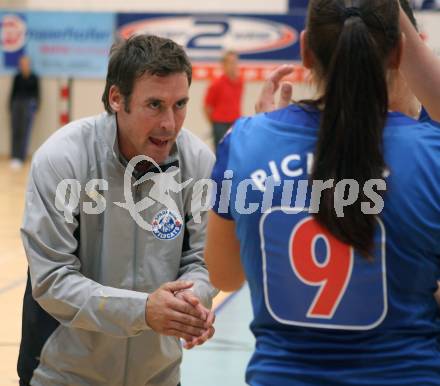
(48, 234)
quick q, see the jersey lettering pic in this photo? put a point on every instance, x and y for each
(290, 166)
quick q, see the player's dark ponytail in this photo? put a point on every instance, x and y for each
(352, 46)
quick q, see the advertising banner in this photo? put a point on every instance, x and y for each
(61, 44)
(262, 41)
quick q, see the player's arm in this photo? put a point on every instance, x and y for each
(222, 254)
(421, 68)
(222, 249)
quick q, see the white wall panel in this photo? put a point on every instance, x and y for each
(254, 6)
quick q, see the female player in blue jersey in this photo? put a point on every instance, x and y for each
(331, 210)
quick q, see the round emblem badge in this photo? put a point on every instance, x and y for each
(166, 225)
(12, 33)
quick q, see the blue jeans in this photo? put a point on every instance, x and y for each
(22, 118)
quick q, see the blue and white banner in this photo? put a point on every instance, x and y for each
(255, 37)
(76, 44)
(295, 5)
(61, 44)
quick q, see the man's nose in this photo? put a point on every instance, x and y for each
(168, 121)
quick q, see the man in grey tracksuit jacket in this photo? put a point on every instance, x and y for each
(92, 267)
(94, 275)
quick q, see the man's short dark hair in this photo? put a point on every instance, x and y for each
(140, 54)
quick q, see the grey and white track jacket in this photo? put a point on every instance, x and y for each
(92, 266)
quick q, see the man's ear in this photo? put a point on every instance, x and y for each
(308, 59)
(115, 99)
(396, 54)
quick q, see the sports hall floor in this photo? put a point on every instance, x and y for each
(219, 362)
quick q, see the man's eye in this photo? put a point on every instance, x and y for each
(154, 105)
(181, 104)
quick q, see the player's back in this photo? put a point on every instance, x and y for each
(323, 314)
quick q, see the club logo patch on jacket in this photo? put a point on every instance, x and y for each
(166, 225)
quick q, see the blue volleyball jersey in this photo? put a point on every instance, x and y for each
(324, 315)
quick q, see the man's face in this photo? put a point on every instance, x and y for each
(157, 109)
(230, 65)
(24, 65)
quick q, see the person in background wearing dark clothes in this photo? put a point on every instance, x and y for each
(23, 104)
(223, 97)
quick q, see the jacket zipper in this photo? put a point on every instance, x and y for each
(136, 199)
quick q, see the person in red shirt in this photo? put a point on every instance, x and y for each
(223, 97)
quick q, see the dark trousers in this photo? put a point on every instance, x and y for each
(219, 130)
(22, 119)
